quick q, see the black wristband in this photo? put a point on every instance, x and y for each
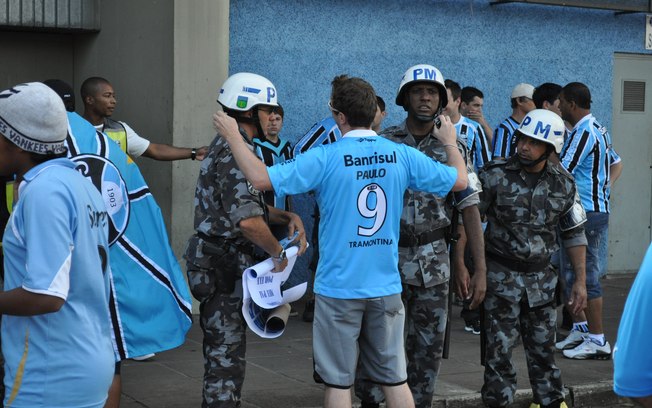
(193, 154)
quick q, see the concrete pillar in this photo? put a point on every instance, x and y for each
(201, 60)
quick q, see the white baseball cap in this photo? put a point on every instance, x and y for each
(523, 89)
(33, 117)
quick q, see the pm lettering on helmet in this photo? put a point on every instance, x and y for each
(425, 72)
(271, 93)
(539, 128)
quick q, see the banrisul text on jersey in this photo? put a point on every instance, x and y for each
(350, 160)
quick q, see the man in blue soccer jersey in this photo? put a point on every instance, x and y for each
(359, 184)
(321, 133)
(56, 333)
(273, 149)
(471, 107)
(632, 357)
(590, 157)
(467, 129)
(504, 142)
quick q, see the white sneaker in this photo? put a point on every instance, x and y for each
(574, 339)
(589, 350)
(144, 358)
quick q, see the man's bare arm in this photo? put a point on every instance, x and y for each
(20, 302)
(254, 169)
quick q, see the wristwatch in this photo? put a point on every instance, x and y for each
(281, 256)
(193, 153)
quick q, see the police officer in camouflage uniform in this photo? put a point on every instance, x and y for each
(230, 218)
(526, 199)
(423, 249)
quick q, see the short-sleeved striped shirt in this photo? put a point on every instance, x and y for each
(321, 133)
(504, 142)
(588, 155)
(271, 154)
(476, 141)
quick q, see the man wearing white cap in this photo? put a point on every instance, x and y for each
(56, 335)
(522, 103)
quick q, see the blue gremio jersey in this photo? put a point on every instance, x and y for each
(321, 133)
(56, 244)
(632, 357)
(588, 154)
(504, 143)
(271, 154)
(359, 184)
(476, 141)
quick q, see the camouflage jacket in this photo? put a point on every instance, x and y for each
(522, 225)
(522, 222)
(426, 265)
(223, 197)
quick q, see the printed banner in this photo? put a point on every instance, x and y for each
(150, 304)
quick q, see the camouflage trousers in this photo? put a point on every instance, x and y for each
(504, 321)
(224, 345)
(425, 311)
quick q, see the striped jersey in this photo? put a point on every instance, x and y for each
(476, 141)
(321, 133)
(272, 153)
(588, 155)
(504, 142)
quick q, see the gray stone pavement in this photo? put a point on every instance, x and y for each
(279, 371)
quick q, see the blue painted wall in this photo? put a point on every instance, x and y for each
(301, 45)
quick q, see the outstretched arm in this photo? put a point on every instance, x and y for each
(254, 169)
(158, 151)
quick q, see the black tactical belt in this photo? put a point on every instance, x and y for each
(519, 266)
(409, 241)
(245, 249)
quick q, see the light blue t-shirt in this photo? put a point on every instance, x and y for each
(56, 244)
(632, 357)
(359, 184)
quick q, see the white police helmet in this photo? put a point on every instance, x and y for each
(422, 73)
(244, 90)
(544, 125)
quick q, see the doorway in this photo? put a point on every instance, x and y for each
(631, 195)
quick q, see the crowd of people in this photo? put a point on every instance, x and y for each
(530, 191)
(404, 216)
